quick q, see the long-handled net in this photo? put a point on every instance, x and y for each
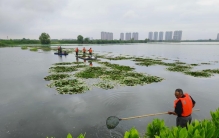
(113, 121)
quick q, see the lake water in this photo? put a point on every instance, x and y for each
(28, 108)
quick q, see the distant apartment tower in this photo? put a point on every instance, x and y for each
(106, 36)
(121, 36)
(135, 35)
(177, 35)
(218, 36)
(150, 35)
(155, 35)
(160, 35)
(128, 36)
(168, 35)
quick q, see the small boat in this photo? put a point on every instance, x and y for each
(61, 54)
(87, 58)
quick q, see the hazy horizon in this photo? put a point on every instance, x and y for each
(198, 19)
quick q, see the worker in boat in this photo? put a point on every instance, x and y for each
(90, 52)
(183, 108)
(84, 51)
(76, 51)
(59, 47)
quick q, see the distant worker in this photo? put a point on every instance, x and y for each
(91, 64)
(90, 52)
(76, 51)
(84, 51)
(183, 108)
(59, 50)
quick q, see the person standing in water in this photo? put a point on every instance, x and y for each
(76, 51)
(84, 51)
(90, 52)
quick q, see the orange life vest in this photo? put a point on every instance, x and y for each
(186, 104)
(84, 50)
(90, 50)
(76, 50)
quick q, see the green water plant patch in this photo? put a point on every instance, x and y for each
(179, 68)
(198, 73)
(63, 63)
(56, 76)
(216, 71)
(59, 69)
(194, 64)
(105, 85)
(206, 63)
(117, 66)
(119, 58)
(24, 47)
(91, 72)
(69, 86)
(34, 49)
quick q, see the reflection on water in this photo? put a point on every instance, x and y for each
(30, 109)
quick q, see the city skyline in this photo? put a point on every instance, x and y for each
(198, 19)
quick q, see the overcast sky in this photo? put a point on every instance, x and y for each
(66, 19)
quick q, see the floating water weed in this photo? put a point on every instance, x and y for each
(119, 58)
(56, 76)
(33, 49)
(206, 63)
(24, 47)
(104, 85)
(91, 72)
(63, 63)
(59, 69)
(71, 86)
(198, 73)
(212, 71)
(117, 66)
(194, 64)
(179, 68)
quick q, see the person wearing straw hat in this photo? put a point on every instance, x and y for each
(183, 108)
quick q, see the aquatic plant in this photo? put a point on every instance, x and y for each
(206, 63)
(34, 49)
(90, 72)
(71, 86)
(56, 76)
(179, 68)
(198, 73)
(59, 69)
(119, 58)
(63, 63)
(24, 47)
(117, 66)
(104, 85)
(194, 64)
(216, 71)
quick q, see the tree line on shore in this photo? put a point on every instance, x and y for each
(44, 39)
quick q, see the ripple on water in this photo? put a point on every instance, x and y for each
(116, 97)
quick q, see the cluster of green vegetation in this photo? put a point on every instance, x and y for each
(56, 77)
(69, 86)
(157, 129)
(109, 75)
(177, 67)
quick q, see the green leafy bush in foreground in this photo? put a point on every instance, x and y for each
(158, 129)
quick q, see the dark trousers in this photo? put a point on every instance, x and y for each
(182, 121)
(90, 54)
(76, 53)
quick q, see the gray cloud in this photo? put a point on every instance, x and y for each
(69, 18)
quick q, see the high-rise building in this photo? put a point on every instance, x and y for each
(128, 36)
(168, 35)
(155, 35)
(160, 35)
(218, 36)
(135, 35)
(150, 36)
(106, 36)
(121, 36)
(177, 35)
